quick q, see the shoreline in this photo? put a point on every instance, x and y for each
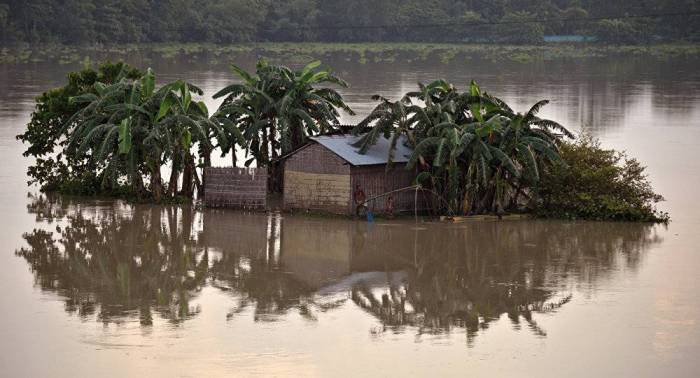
(361, 53)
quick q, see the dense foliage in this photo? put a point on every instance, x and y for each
(599, 184)
(109, 130)
(276, 109)
(227, 21)
(58, 165)
(475, 155)
(130, 129)
(473, 151)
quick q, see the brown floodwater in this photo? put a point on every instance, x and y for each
(106, 288)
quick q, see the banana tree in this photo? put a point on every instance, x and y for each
(474, 151)
(105, 129)
(389, 119)
(129, 128)
(532, 142)
(180, 124)
(277, 108)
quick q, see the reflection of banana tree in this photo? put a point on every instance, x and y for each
(133, 260)
(470, 276)
(260, 282)
(128, 261)
(433, 303)
(119, 264)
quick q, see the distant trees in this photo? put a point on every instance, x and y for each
(619, 32)
(520, 28)
(291, 20)
(119, 21)
(232, 21)
(4, 22)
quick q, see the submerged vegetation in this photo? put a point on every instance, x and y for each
(111, 131)
(58, 164)
(107, 129)
(472, 149)
(374, 52)
(476, 155)
(597, 183)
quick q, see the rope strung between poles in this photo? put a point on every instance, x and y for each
(412, 187)
(388, 193)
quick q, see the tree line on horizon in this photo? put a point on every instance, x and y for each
(236, 21)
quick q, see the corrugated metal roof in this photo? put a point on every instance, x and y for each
(342, 146)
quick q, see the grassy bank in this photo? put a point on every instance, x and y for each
(361, 53)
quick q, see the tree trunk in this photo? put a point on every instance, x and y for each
(174, 175)
(172, 183)
(485, 201)
(207, 164)
(264, 148)
(273, 142)
(466, 204)
(199, 184)
(207, 158)
(273, 183)
(516, 196)
(298, 136)
(139, 186)
(156, 184)
(187, 176)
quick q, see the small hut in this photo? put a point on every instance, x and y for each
(329, 174)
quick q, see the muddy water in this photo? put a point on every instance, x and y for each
(94, 287)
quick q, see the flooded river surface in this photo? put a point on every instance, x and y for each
(104, 288)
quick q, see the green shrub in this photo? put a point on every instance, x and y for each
(597, 184)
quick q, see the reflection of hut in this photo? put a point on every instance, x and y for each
(314, 252)
(232, 232)
(328, 173)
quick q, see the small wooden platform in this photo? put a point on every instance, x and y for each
(460, 219)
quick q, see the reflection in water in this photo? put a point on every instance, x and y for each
(631, 311)
(469, 276)
(601, 94)
(120, 263)
(116, 262)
